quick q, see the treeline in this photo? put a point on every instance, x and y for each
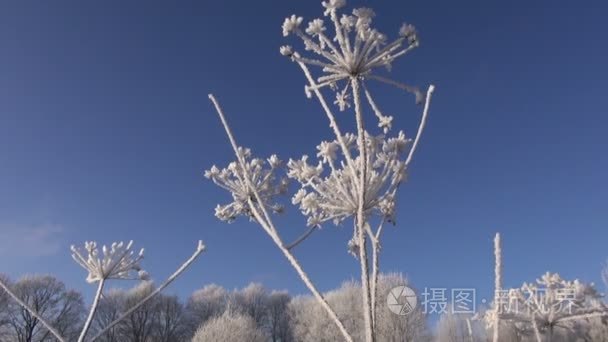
(212, 313)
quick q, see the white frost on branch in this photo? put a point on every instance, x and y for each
(355, 50)
(330, 191)
(233, 179)
(116, 262)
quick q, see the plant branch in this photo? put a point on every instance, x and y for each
(429, 94)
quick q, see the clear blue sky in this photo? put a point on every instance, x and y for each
(105, 130)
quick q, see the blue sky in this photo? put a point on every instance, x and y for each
(105, 130)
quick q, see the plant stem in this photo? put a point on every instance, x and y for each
(361, 220)
(87, 323)
(497, 284)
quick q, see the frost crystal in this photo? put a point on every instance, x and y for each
(355, 51)
(117, 262)
(330, 191)
(233, 179)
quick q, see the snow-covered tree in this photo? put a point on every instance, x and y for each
(309, 322)
(230, 327)
(204, 304)
(357, 175)
(252, 301)
(456, 328)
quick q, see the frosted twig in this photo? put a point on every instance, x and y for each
(497, 284)
(429, 94)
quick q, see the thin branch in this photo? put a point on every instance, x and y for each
(301, 238)
(429, 94)
(32, 312)
(199, 249)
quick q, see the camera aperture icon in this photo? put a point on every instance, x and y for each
(401, 300)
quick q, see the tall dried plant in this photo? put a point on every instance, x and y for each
(357, 175)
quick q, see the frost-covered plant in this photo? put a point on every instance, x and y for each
(328, 189)
(357, 174)
(355, 51)
(541, 306)
(118, 261)
(232, 178)
(551, 302)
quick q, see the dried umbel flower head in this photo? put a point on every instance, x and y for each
(355, 51)
(116, 262)
(234, 179)
(330, 191)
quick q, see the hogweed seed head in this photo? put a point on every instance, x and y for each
(118, 261)
(233, 178)
(356, 50)
(329, 190)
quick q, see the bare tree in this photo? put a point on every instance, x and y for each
(48, 296)
(169, 324)
(4, 307)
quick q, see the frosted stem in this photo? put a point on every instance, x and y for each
(266, 222)
(199, 249)
(32, 312)
(87, 323)
(360, 221)
(427, 103)
(375, 239)
(497, 283)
